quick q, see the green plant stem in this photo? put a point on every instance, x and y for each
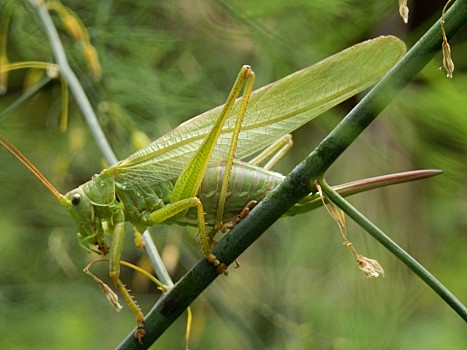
(298, 183)
(395, 249)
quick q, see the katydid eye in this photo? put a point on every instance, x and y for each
(75, 199)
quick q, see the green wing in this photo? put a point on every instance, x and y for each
(274, 110)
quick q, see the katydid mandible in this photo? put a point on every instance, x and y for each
(197, 174)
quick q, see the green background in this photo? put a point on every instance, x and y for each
(298, 287)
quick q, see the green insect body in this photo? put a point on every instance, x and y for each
(197, 174)
(103, 202)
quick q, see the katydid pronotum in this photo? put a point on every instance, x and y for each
(197, 174)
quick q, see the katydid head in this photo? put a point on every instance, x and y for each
(78, 203)
(82, 211)
(85, 203)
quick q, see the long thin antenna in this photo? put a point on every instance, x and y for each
(18, 155)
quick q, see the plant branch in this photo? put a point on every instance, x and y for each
(298, 183)
(395, 249)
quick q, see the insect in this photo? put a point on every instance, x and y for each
(197, 173)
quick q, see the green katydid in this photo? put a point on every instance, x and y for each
(197, 173)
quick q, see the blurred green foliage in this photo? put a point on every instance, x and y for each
(297, 288)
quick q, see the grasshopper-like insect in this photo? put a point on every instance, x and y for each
(197, 175)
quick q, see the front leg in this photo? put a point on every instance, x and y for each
(115, 253)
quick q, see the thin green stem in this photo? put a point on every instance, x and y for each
(395, 249)
(156, 260)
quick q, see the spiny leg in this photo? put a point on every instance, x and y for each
(115, 253)
(250, 79)
(189, 181)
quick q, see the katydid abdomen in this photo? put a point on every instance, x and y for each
(247, 183)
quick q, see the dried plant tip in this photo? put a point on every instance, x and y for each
(370, 267)
(404, 10)
(447, 60)
(110, 294)
(336, 213)
(53, 71)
